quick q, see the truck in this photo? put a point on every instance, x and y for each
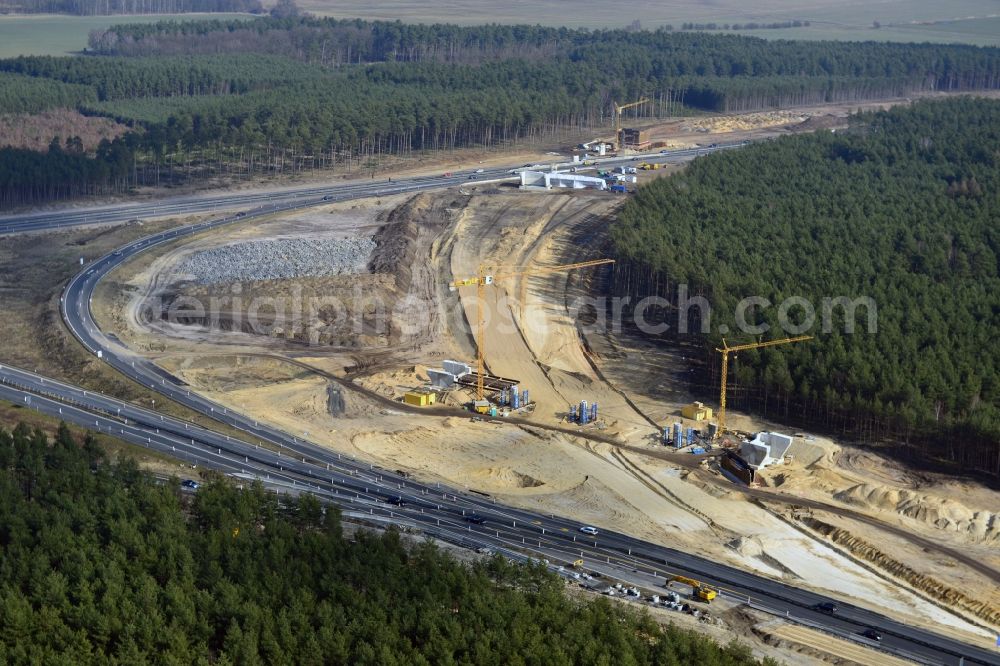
(625, 170)
(619, 189)
(647, 166)
(699, 590)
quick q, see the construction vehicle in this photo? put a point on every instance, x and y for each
(619, 139)
(480, 282)
(577, 564)
(699, 590)
(647, 166)
(726, 350)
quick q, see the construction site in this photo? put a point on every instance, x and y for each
(451, 335)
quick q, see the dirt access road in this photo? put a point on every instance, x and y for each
(613, 477)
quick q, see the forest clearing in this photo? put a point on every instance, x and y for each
(338, 390)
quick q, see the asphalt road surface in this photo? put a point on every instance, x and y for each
(286, 463)
(285, 198)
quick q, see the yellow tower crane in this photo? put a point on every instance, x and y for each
(726, 350)
(480, 282)
(618, 120)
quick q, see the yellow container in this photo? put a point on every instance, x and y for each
(419, 398)
(696, 412)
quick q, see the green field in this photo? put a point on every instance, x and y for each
(978, 32)
(901, 20)
(48, 34)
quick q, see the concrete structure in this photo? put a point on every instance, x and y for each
(547, 181)
(456, 368)
(696, 411)
(441, 379)
(767, 448)
(445, 378)
(419, 398)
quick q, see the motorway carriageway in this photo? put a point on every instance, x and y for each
(364, 491)
(285, 199)
(281, 459)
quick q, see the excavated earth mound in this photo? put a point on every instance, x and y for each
(945, 514)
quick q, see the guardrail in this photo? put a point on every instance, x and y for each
(840, 633)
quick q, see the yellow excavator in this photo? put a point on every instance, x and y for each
(698, 589)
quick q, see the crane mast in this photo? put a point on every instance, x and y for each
(726, 350)
(619, 138)
(484, 279)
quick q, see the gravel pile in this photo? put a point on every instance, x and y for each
(278, 259)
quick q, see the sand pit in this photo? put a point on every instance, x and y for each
(531, 337)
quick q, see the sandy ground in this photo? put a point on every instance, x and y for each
(836, 648)
(532, 337)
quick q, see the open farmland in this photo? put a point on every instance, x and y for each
(965, 21)
(61, 35)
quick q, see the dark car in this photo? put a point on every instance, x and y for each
(328, 197)
(473, 176)
(398, 501)
(872, 634)
(190, 484)
(827, 607)
(475, 518)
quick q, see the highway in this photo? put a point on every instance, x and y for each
(285, 198)
(285, 462)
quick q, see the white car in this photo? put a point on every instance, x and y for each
(587, 529)
(480, 170)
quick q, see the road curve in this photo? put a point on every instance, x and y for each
(283, 460)
(284, 198)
